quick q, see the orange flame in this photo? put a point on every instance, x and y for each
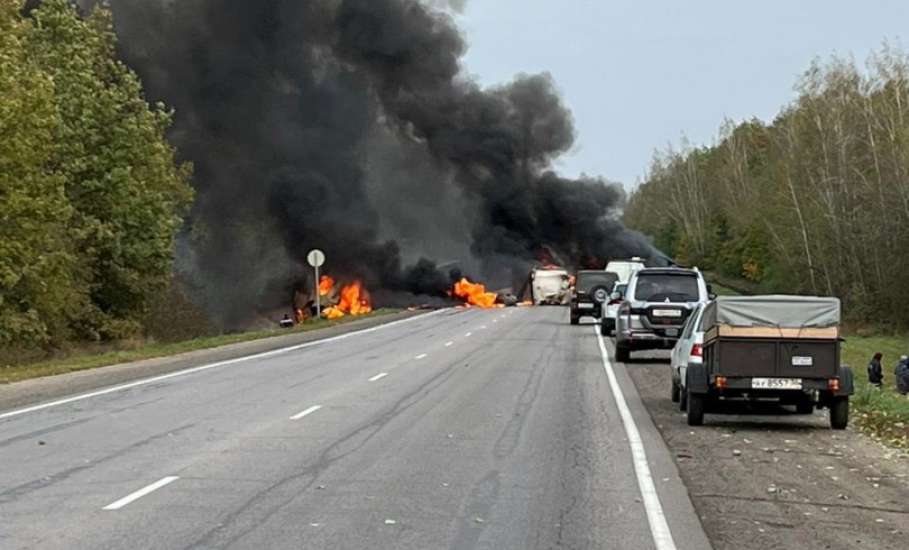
(326, 285)
(355, 300)
(474, 294)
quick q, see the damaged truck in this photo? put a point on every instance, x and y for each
(770, 348)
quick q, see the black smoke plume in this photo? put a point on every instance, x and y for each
(349, 125)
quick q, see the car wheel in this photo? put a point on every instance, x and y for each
(804, 407)
(696, 402)
(839, 413)
(600, 294)
(604, 329)
(575, 319)
(683, 399)
(676, 395)
(622, 354)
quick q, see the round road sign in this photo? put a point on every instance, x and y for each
(316, 257)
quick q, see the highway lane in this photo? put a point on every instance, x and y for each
(461, 429)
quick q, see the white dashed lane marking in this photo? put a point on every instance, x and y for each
(307, 412)
(132, 497)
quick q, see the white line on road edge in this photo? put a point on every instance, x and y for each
(379, 376)
(201, 368)
(307, 412)
(449, 344)
(659, 528)
(141, 493)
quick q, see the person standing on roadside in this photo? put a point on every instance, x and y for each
(876, 371)
(902, 375)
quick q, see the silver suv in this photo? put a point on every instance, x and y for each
(655, 307)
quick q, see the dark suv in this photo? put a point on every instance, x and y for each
(591, 291)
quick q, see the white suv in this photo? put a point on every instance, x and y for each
(689, 350)
(625, 268)
(657, 303)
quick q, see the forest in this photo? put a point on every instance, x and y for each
(815, 201)
(91, 193)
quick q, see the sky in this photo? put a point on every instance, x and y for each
(640, 75)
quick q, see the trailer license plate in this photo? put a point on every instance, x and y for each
(667, 313)
(776, 383)
(802, 361)
(585, 306)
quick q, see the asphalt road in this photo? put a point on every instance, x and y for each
(500, 429)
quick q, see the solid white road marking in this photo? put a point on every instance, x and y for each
(141, 493)
(468, 335)
(659, 528)
(307, 412)
(194, 370)
(379, 376)
(449, 344)
(421, 356)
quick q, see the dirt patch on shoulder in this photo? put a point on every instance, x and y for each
(772, 479)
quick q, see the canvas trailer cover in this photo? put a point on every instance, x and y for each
(774, 316)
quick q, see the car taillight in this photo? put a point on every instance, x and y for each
(697, 351)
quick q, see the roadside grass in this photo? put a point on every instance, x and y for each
(80, 360)
(883, 414)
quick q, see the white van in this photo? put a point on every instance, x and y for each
(625, 268)
(549, 286)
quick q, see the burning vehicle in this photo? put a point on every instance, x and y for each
(550, 286)
(336, 300)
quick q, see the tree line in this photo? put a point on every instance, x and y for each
(91, 193)
(816, 201)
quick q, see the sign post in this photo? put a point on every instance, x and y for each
(316, 259)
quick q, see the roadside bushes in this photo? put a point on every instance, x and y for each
(817, 201)
(91, 196)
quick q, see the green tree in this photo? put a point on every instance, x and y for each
(126, 190)
(37, 290)
(815, 202)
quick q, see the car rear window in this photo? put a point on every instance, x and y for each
(590, 279)
(660, 287)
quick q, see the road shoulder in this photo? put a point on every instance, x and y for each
(781, 481)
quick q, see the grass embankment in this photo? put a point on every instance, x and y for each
(882, 414)
(86, 359)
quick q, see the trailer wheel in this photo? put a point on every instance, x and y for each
(696, 404)
(676, 391)
(839, 413)
(622, 354)
(575, 319)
